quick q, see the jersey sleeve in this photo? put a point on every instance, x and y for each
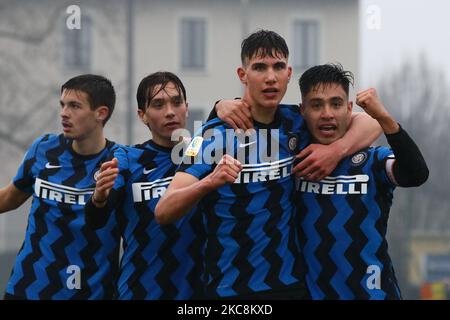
(384, 171)
(121, 154)
(24, 178)
(98, 217)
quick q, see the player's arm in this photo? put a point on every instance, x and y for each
(11, 198)
(235, 112)
(103, 200)
(185, 190)
(319, 160)
(21, 188)
(409, 168)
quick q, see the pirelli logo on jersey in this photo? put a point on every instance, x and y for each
(356, 184)
(266, 171)
(62, 194)
(145, 191)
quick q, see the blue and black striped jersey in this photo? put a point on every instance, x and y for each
(159, 261)
(251, 243)
(61, 257)
(343, 222)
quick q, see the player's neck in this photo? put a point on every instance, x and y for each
(259, 113)
(163, 142)
(92, 144)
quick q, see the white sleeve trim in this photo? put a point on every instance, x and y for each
(390, 170)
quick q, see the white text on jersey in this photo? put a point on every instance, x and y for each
(266, 171)
(62, 194)
(356, 184)
(145, 191)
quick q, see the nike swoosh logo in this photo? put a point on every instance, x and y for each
(50, 166)
(243, 145)
(148, 171)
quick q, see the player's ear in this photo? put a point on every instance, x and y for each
(302, 109)
(350, 106)
(102, 113)
(141, 115)
(242, 75)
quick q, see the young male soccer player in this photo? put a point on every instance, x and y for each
(61, 257)
(159, 262)
(251, 247)
(344, 216)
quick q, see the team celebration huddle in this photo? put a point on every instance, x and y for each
(265, 201)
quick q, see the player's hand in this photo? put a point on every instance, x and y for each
(105, 180)
(371, 103)
(226, 171)
(236, 113)
(317, 161)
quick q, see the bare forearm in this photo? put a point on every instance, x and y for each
(11, 198)
(389, 125)
(177, 202)
(6, 205)
(363, 131)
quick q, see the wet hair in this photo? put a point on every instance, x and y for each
(264, 43)
(99, 90)
(325, 74)
(145, 90)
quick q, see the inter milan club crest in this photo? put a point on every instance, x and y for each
(292, 142)
(96, 174)
(359, 158)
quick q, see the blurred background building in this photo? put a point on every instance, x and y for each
(200, 41)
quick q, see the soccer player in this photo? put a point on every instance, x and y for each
(158, 262)
(61, 257)
(245, 186)
(344, 216)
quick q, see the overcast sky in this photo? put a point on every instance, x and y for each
(406, 28)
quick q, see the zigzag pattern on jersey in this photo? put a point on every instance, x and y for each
(170, 262)
(20, 290)
(244, 279)
(389, 283)
(109, 282)
(273, 205)
(327, 241)
(244, 241)
(28, 164)
(295, 245)
(360, 240)
(214, 250)
(142, 238)
(41, 230)
(27, 263)
(195, 251)
(140, 234)
(309, 211)
(60, 245)
(154, 279)
(338, 283)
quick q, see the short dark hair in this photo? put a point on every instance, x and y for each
(327, 74)
(147, 85)
(99, 90)
(265, 43)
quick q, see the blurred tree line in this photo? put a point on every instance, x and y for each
(417, 95)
